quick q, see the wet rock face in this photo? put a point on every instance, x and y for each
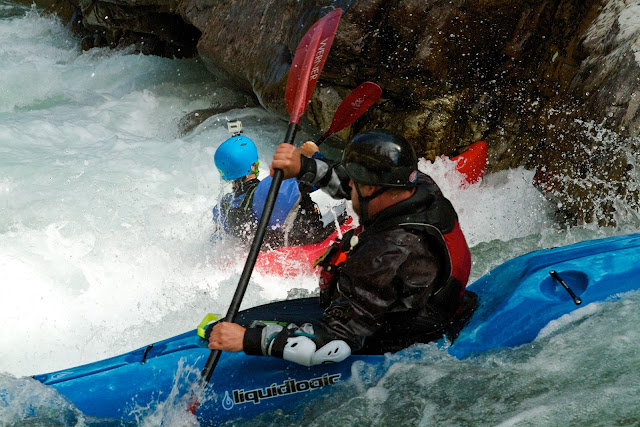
(531, 78)
(587, 159)
(153, 26)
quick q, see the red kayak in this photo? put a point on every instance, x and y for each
(472, 163)
(295, 260)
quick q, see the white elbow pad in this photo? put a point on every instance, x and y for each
(299, 350)
(333, 352)
(302, 350)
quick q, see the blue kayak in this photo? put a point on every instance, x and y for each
(516, 300)
(521, 296)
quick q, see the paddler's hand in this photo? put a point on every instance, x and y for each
(309, 148)
(287, 158)
(227, 336)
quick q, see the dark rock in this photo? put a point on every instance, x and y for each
(153, 26)
(528, 77)
(195, 118)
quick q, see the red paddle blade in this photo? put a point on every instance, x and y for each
(353, 106)
(311, 54)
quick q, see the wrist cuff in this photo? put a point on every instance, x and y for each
(307, 170)
(252, 342)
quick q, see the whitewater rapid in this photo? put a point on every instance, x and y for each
(107, 243)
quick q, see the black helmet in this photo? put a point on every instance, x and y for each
(382, 159)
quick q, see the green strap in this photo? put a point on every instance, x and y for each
(202, 327)
(248, 199)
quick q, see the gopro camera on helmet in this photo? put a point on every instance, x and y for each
(234, 127)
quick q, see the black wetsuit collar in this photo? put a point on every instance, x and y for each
(245, 187)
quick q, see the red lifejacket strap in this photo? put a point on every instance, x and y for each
(459, 254)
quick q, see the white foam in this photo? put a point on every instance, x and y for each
(503, 205)
(568, 318)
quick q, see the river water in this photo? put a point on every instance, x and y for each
(106, 245)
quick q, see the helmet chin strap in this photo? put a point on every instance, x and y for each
(364, 201)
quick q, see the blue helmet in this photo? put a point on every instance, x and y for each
(235, 157)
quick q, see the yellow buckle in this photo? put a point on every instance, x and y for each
(205, 322)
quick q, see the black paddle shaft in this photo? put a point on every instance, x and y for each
(254, 251)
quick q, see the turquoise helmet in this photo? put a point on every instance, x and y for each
(235, 157)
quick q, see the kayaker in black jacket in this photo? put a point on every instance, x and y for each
(398, 280)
